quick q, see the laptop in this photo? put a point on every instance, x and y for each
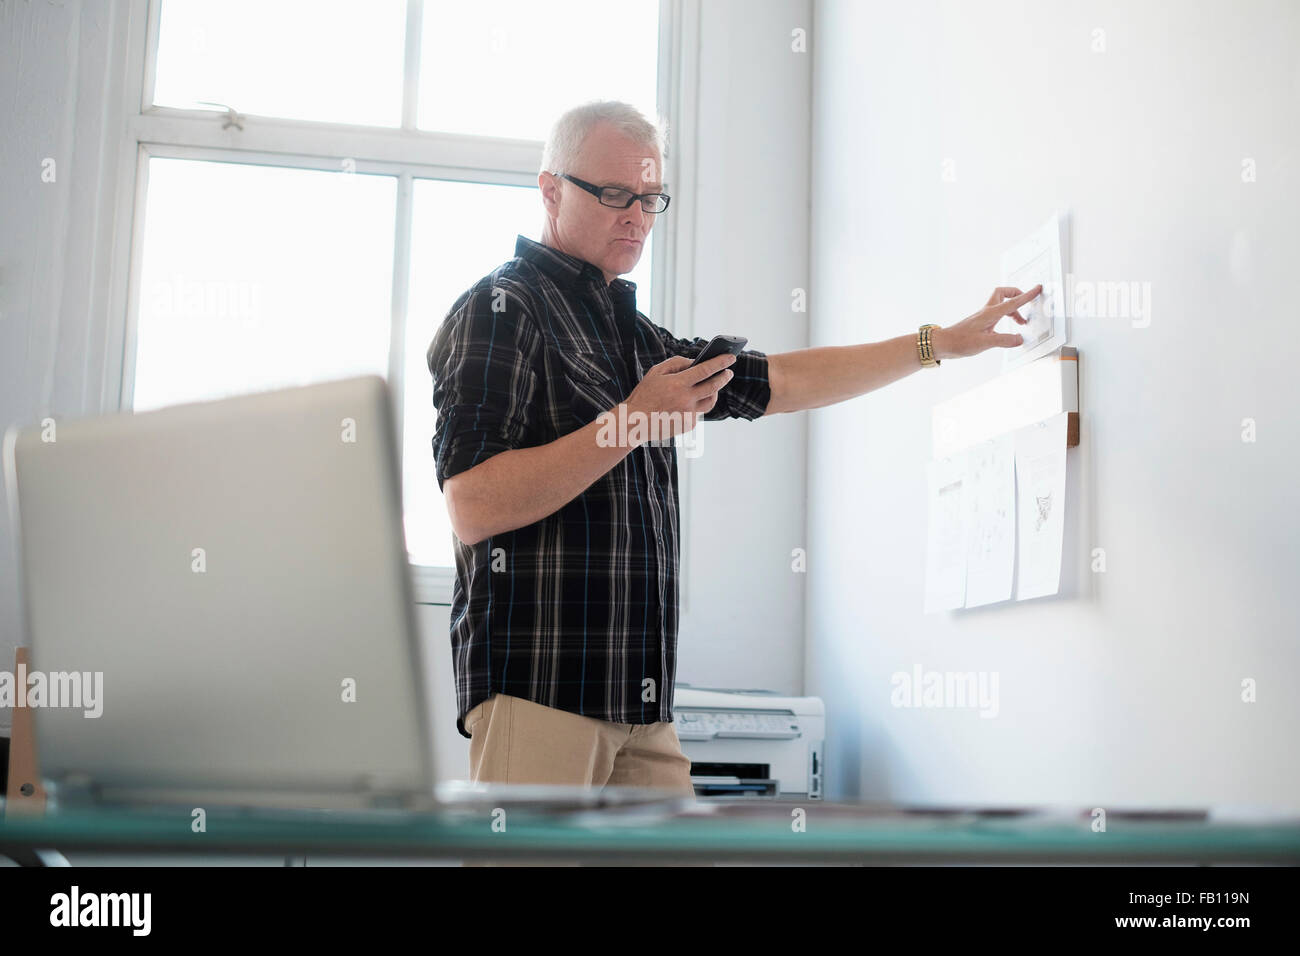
(227, 584)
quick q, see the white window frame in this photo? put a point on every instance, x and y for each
(406, 153)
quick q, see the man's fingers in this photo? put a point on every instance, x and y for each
(706, 369)
(674, 363)
(710, 386)
(1016, 301)
(706, 404)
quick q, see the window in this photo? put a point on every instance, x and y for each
(260, 277)
(319, 181)
(333, 61)
(501, 58)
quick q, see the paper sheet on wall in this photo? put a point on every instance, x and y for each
(989, 503)
(1036, 259)
(1040, 492)
(945, 568)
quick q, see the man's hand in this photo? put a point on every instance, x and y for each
(974, 334)
(673, 394)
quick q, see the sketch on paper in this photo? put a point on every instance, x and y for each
(1044, 509)
(1040, 493)
(945, 572)
(990, 505)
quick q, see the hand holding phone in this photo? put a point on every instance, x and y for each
(664, 389)
(719, 345)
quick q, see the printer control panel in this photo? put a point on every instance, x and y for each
(709, 724)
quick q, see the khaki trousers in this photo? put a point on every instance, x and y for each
(514, 740)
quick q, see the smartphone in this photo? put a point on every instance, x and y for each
(719, 345)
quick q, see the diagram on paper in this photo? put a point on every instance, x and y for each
(945, 573)
(990, 505)
(1044, 510)
(1040, 481)
(997, 519)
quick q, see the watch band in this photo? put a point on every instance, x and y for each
(925, 348)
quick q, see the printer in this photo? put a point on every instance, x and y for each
(751, 743)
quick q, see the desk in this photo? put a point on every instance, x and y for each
(749, 831)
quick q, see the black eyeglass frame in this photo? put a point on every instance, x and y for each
(598, 190)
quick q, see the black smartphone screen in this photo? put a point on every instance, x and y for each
(719, 345)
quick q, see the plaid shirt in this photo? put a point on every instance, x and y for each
(578, 610)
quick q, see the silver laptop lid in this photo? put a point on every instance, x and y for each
(237, 572)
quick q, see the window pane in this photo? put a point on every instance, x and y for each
(325, 60)
(459, 233)
(511, 67)
(257, 277)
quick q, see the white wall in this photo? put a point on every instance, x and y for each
(743, 616)
(1125, 689)
(742, 619)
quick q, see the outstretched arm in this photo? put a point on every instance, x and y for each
(811, 378)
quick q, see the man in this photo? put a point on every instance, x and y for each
(564, 610)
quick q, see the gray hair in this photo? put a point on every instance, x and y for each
(564, 145)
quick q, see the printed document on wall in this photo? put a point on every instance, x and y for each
(989, 503)
(945, 566)
(1033, 261)
(1040, 490)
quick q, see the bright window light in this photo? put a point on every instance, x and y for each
(510, 67)
(331, 61)
(260, 277)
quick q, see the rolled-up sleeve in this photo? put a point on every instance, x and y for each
(746, 395)
(483, 364)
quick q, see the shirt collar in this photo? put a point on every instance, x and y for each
(566, 269)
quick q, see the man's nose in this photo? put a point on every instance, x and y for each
(635, 214)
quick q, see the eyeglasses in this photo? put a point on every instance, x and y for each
(621, 198)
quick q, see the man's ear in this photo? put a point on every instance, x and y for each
(550, 187)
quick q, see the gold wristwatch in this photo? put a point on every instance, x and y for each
(924, 347)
